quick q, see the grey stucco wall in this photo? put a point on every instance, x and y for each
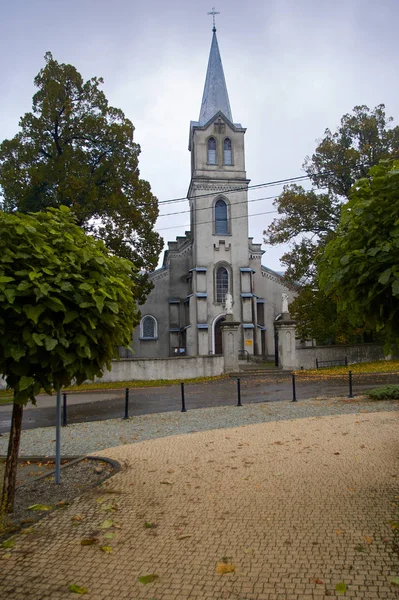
(183, 367)
(306, 357)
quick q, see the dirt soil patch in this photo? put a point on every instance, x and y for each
(38, 495)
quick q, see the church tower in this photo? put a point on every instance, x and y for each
(219, 218)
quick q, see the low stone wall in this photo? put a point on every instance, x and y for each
(149, 369)
(179, 367)
(306, 357)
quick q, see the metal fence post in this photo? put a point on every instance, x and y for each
(293, 388)
(58, 438)
(64, 410)
(183, 403)
(239, 392)
(350, 385)
(126, 403)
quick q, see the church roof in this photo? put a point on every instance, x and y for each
(215, 97)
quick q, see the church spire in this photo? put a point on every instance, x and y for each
(215, 97)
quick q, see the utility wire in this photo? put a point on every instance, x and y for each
(268, 212)
(182, 212)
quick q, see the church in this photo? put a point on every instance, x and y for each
(215, 261)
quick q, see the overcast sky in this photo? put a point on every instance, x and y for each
(292, 67)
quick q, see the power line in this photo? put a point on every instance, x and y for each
(273, 183)
(182, 212)
(237, 189)
(268, 212)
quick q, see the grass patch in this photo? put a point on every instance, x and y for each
(116, 385)
(385, 392)
(379, 366)
(6, 397)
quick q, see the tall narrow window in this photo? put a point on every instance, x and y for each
(148, 328)
(222, 284)
(212, 151)
(227, 152)
(221, 220)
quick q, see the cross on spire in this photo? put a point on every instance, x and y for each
(213, 12)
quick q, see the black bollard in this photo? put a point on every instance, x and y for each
(183, 403)
(126, 403)
(350, 385)
(64, 409)
(293, 388)
(239, 392)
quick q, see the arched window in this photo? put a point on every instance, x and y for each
(148, 328)
(222, 284)
(221, 219)
(211, 151)
(227, 156)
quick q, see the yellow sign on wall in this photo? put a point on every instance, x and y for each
(248, 342)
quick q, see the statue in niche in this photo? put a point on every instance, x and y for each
(284, 302)
(228, 303)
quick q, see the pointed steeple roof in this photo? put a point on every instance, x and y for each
(215, 97)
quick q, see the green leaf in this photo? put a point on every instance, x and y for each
(10, 295)
(25, 382)
(109, 536)
(106, 524)
(385, 276)
(70, 316)
(394, 580)
(33, 312)
(4, 279)
(107, 549)
(144, 579)
(8, 543)
(341, 587)
(38, 337)
(50, 343)
(40, 507)
(55, 304)
(77, 589)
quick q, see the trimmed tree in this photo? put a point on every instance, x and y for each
(66, 303)
(360, 266)
(76, 150)
(307, 219)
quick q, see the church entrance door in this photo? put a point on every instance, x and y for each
(218, 336)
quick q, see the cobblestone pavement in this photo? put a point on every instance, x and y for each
(85, 438)
(296, 506)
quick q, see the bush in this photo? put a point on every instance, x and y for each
(386, 392)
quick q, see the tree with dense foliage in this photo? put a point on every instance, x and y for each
(75, 150)
(360, 266)
(66, 303)
(308, 218)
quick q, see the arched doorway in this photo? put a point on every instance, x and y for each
(218, 335)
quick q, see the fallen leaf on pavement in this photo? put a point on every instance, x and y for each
(167, 482)
(223, 568)
(184, 536)
(368, 539)
(77, 589)
(107, 549)
(144, 579)
(89, 541)
(318, 581)
(106, 524)
(40, 507)
(341, 587)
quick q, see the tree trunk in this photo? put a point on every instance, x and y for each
(10, 475)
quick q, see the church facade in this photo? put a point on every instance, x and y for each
(215, 258)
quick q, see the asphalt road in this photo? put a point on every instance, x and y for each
(94, 406)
